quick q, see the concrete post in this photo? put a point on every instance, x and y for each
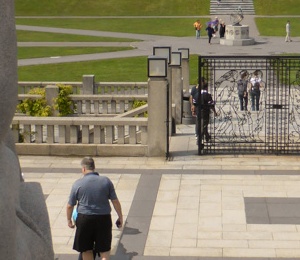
(185, 65)
(88, 83)
(177, 97)
(169, 79)
(51, 94)
(157, 116)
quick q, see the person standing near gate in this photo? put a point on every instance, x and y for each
(194, 103)
(255, 90)
(242, 86)
(206, 104)
(92, 193)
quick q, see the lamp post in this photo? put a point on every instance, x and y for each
(158, 114)
(165, 51)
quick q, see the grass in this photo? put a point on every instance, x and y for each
(277, 7)
(276, 26)
(129, 69)
(31, 36)
(119, 70)
(179, 27)
(39, 52)
(111, 7)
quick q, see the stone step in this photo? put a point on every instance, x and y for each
(230, 6)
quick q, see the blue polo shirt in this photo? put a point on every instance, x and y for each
(92, 192)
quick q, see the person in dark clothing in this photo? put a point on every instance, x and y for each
(194, 102)
(210, 31)
(206, 104)
(222, 29)
(242, 86)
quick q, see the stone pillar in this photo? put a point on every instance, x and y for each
(177, 91)
(88, 83)
(51, 94)
(170, 89)
(157, 116)
(25, 228)
(185, 65)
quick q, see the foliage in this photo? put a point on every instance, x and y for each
(139, 103)
(38, 107)
(35, 107)
(63, 104)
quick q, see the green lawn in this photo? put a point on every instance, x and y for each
(128, 70)
(277, 7)
(276, 26)
(38, 52)
(31, 36)
(159, 26)
(111, 7)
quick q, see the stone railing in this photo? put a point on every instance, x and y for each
(103, 88)
(104, 123)
(104, 104)
(105, 136)
(94, 105)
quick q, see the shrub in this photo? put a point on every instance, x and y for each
(35, 107)
(63, 104)
(139, 103)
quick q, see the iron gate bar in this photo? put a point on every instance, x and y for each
(274, 128)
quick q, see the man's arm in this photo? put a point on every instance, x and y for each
(69, 215)
(117, 206)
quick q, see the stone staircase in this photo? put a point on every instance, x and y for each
(230, 6)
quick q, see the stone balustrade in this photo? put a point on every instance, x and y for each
(80, 135)
(104, 88)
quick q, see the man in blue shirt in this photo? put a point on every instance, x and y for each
(91, 194)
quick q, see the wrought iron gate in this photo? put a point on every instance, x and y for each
(275, 127)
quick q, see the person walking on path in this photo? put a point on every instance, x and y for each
(198, 26)
(288, 32)
(92, 194)
(210, 32)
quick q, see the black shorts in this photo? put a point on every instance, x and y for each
(93, 232)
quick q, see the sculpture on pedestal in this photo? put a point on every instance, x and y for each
(25, 229)
(237, 17)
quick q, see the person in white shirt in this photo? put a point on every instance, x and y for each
(255, 81)
(288, 32)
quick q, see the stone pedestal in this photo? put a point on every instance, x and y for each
(237, 35)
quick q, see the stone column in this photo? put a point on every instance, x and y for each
(157, 116)
(177, 90)
(88, 83)
(185, 65)
(25, 228)
(51, 94)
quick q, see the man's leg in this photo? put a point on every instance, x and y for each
(105, 255)
(88, 255)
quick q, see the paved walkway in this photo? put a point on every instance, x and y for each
(191, 207)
